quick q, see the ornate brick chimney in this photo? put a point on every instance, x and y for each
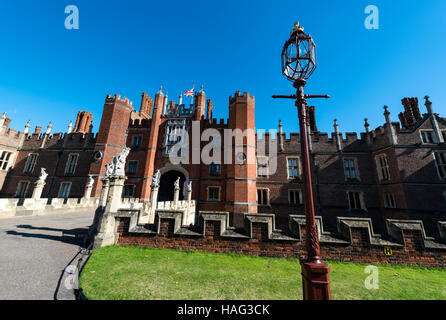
(83, 122)
(146, 106)
(411, 114)
(311, 117)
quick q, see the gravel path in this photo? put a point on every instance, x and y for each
(35, 250)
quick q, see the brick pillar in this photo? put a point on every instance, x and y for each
(111, 137)
(149, 163)
(241, 178)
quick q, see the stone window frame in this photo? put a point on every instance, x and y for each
(179, 129)
(267, 196)
(208, 194)
(441, 168)
(133, 188)
(69, 183)
(387, 204)
(356, 168)
(443, 133)
(299, 167)
(426, 131)
(8, 161)
(28, 183)
(265, 166)
(31, 163)
(139, 138)
(361, 200)
(301, 198)
(381, 169)
(128, 167)
(70, 165)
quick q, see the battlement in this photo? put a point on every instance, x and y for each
(322, 137)
(266, 137)
(240, 98)
(214, 123)
(259, 236)
(294, 136)
(351, 137)
(140, 123)
(117, 99)
(11, 133)
(33, 140)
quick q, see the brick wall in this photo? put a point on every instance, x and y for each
(355, 240)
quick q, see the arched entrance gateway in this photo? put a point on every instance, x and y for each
(167, 183)
(169, 174)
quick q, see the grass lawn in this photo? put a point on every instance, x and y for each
(121, 272)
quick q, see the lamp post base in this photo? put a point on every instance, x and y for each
(316, 285)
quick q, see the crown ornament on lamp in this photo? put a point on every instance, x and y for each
(298, 55)
(297, 27)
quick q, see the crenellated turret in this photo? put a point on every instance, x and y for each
(199, 104)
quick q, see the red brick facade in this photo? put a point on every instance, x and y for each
(412, 182)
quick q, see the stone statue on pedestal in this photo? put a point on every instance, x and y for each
(156, 179)
(117, 166)
(90, 181)
(42, 176)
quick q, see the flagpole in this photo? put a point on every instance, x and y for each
(193, 89)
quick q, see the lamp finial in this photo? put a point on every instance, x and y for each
(297, 27)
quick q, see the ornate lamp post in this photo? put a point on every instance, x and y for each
(298, 63)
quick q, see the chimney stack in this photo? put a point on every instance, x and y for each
(146, 106)
(411, 114)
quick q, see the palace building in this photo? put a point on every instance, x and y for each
(396, 171)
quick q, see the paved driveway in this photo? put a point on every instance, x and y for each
(34, 251)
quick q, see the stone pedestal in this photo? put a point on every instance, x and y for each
(38, 188)
(104, 192)
(114, 197)
(189, 196)
(149, 209)
(176, 197)
(107, 223)
(87, 192)
(186, 216)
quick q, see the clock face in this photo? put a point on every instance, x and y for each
(240, 158)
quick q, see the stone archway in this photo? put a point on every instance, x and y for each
(167, 182)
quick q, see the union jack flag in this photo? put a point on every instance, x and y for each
(189, 93)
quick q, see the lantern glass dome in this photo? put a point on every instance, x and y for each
(298, 55)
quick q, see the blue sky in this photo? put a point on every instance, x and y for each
(127, 47)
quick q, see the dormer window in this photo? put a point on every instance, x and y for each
(427, 136)
(440, 162)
